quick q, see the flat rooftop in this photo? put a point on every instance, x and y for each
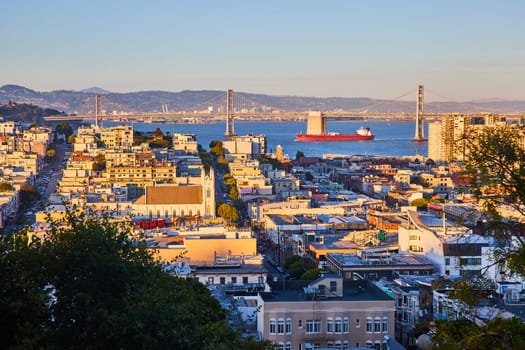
(360, 290)
(392, 259)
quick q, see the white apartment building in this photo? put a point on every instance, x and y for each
(453, 250)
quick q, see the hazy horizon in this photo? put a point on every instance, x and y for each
(462, 51)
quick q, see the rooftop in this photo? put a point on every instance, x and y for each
(361, 290)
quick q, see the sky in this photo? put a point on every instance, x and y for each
(461, 50)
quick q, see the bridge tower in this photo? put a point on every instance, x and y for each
(98, 109)
(420, 106)
(230, 124)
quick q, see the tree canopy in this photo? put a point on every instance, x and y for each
(495, 168)
(91, 285)
(494, 171)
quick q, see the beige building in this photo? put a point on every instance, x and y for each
(29, 162)
(117, 137)
(326, 313)
(177, 201)
(446, 138)
(197, 250)
(186, 143)
(141, 175)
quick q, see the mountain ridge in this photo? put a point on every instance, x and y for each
(83, 102)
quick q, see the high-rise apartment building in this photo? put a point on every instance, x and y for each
(446, 138)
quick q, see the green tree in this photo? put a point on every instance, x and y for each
(495, 168)
(28, 195)
(494, 172)
(420, 203)
(216, 148)
(311, 274)
(92, 285)
(100, 162)
(289, 260)
(228, 212)
(71, 138)
(50, 153)
(234, 193)
(4, 186)
(65, 129)
(299, 154)
(296, 269)
(158, 135)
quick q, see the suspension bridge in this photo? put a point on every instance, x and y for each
(232, 106)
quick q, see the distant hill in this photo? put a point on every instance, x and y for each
(83, 102)
(96, 90)
(25, 112)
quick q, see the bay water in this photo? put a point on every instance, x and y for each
(391, 138)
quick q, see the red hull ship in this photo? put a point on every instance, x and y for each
(363, 134)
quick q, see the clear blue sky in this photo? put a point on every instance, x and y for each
(461, 49)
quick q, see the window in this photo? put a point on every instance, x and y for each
(272, 326)
(223, 280)
(245, 280)
(280, 326)
(338, 345)
(288, 346)
(280, 346)
(234, 279)
(469, 261)
(329, 325)
(385, 325)
(345, 345)
(369, 325)
(313, 326)
(288, 326)
(338, 328)
(333, 286)
(300, 323)
(377, 325)
(357, 324)
(345, 325)
(447, 261)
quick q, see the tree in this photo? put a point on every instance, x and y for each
(420, 203)
(100, 162)
(91, 284)
(495, 168)
(494, 171)
(50, 153)
(216, 148)
(311, 274)
(299, 155)
(158, 135)
(4, 186)
(65, 129)
(296, 269)
(28, 195)
(228, 212)
(71, 138)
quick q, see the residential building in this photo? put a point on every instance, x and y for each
(452, 249)
(328, 312)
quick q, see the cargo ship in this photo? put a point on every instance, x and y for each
(362, 134)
